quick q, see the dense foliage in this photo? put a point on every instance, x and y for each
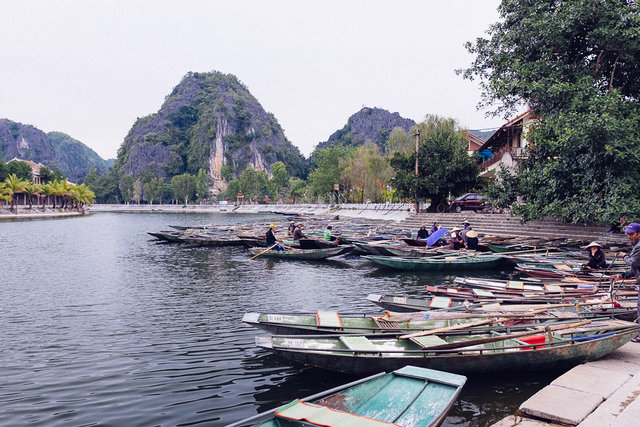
(444, 167)
(577, 65)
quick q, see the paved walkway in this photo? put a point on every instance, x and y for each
(603, 393)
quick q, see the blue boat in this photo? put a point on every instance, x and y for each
(410, 397)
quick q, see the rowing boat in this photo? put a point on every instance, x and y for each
(409, 396)
(304, 254)
(540, 348)
(437, 263)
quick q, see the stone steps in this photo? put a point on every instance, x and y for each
(507, 225)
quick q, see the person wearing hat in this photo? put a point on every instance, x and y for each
(271, 239)
(455, 242)
(597, 258)
(422, 233)
(633, 261)
(466, 224)
(298, 234)
(291, 228)
(471, 240)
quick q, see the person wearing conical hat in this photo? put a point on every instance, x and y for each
(471, 240)
(597, 258)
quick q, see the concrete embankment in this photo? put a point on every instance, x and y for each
(603, 393)
(401, 215)
(28, 214)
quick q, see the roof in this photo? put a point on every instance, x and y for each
(509, 124)
(34, 166)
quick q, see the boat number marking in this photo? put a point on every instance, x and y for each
(288, 342)
(400, 300)
(274, 318)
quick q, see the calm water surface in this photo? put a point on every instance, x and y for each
(103, 326)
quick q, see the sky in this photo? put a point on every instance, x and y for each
(91, 68)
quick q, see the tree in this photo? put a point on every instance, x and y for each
(443, 163)
(202, 185)
(298, 189)
(30, 189)
(13, 185)
(126, 188)
(46, 174)
(368, 172)
(4, 171)
(138, 187)
(280, 177)
(329, 169)
(577, 65)
(184, 187)
(398, 141)
(20, 169)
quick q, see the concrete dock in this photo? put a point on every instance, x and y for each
(601, 393)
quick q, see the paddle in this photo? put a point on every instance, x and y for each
(452, 328)
(479, 341)
(264, 252)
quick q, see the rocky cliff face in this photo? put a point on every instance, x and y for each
(55, 150)
(209, 121)
(368, 124)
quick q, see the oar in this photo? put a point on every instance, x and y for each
(506, 337)
(452, 328)
(264, 252)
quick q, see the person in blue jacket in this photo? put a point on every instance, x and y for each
(422, 233)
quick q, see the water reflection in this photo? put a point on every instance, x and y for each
(103, 325)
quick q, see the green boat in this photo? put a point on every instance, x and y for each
(545, 347)
(409, 396)
(437, 263)
(304, 254)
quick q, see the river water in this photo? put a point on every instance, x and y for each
(101, 325)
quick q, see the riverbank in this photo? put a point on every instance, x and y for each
(376, 211)
(35, 213)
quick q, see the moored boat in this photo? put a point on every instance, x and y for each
(409, 396)
(303, 254)
(437, 263)
(550, 347)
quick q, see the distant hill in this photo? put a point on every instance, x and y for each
(209, 121)
(368, 124)
(55, 150)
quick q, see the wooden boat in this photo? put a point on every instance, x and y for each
(316, 244)
(551, 347)
(591, 307)
(373, 248)
(438, 263)
(304, 254)
(524, 286)
(414, 252)
(168, 236)
(204, 240)
(409, 396)
(415, 242)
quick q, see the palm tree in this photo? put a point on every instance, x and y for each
(48, 190)
(5, 196)
(83, 195)
(13, 185)
(30, 188)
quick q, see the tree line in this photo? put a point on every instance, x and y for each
(17, 178)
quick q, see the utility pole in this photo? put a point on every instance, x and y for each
(417, 135)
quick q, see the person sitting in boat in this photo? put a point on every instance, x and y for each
(298, 234)
(597, 258)
(455, 242)
(471, 241)
(633, 262)
(422, 233)
(435, 227)
(270, 237)
(291, 228)
(327, 234)
(466, 224)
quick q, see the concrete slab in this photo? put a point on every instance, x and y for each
(514, 420)
(630, 352)
(562, 405)
(617, 365)
(622, 405)
(602, 382)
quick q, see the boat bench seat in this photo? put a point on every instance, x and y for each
(328, 318)
(357, 343)
(324, 416)
(440, 302)
(427, 341)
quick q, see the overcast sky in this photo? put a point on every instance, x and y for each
(90, 68)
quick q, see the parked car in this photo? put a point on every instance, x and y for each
(469, 201)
